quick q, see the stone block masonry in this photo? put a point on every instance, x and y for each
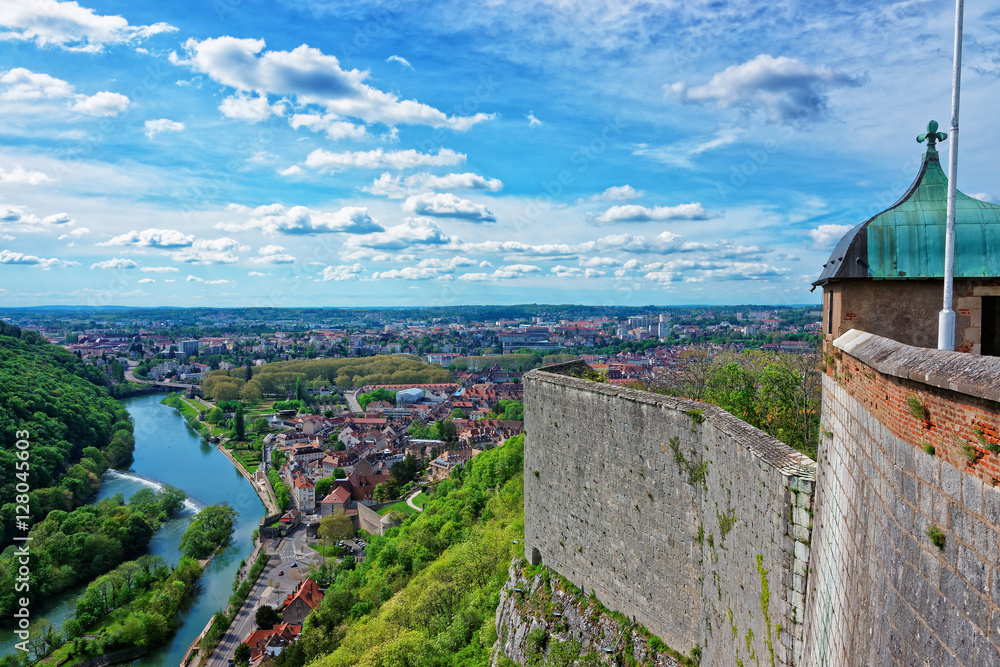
(908, 450)
(671, 511)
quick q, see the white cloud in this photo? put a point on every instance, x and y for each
(10, 257)
(275, 219)
(311, 77)
(447, 205)
(382, 159)
(273, 254)
(23, 85)
(825, 237)
(160, 269)
(342, 272)
(215, 251)
(250, 108)
(503, 273)
(636, 213)
(593, 262)
(152, 238)
(786, 88)
(414, 231)
(426, 269)
(294, 170)
(257, 274)
(396, 187)
(21, 176)
(399, 59)
(532, 121)
(69, 25)
(154, 127)
(74, 234)
(618, 193)
(115, 263)
(334, 126)
(146, 281)
(103, 103)
(561, 271)
(680, 154)
(14, 219)
(198, 279)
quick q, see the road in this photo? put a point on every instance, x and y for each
(352, 401)
(409, 499)
(291, 556)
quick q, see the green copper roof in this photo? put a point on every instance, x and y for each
(907, 239)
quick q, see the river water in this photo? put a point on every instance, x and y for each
(168, 451)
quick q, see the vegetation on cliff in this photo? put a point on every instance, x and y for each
(74, 429)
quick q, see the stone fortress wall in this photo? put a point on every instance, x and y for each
(881, 591)
(671, 511)
(712, 533)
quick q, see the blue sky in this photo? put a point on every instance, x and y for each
(318, 152)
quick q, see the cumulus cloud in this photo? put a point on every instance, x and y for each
(160, 269)
(399, 59)
(618, 193)
(381, 159)
(426, 269)
(115, 263)
(199, 279)
(825, 237)
(675, 271)
(311, 77)
(561, 271)
(151, 238)
(101, 104)
(23, 85)
(414, 231)
(636, 213)
(275, 219)
(74, 234)
(257, 274)
(154, 127)
(503, 273)
(15, 219)
(342, 272)
(397, 187)
(447, 205)
(69, 26)
(214, 251)
(10, 257)
(785, 88)
(334, 126)
(273, 254)
(23, 177)
(146, 281)
(532, 121)
(250, 108)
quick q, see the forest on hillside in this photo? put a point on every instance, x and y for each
(74, 429)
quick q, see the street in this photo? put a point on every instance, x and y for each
(290, 555)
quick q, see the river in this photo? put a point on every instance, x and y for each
(168, 451)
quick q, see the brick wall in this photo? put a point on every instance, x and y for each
(671, 511)
(881, 592)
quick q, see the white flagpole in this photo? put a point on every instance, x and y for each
(946, 318)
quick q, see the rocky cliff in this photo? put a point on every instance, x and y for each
(544, 620)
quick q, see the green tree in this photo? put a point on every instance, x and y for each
(300, 390)
(249, 368)
(458, 413)
(241, 656)
(338, 526)
(239, 423)
(260, 425)
(214, 416)
(267, 617)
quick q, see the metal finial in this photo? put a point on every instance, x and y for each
(932, 136)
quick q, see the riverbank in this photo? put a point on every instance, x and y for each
(263, 491)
